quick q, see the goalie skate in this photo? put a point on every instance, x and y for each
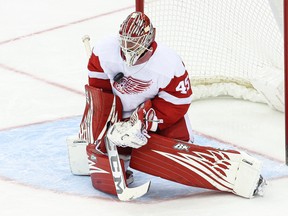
(262, 183)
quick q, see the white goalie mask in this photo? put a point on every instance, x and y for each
(135, 37)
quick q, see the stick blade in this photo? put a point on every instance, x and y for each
(133, 193)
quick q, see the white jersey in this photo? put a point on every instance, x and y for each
(163, 76)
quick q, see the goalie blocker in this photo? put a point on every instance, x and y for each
(178, 161)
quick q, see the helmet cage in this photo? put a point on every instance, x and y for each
(133, 48)
(134, 38)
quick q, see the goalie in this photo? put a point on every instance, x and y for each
(138, 96)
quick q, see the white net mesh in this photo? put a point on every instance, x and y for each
(230, 47)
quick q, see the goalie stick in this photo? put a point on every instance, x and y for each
(86, 41)
(123, 192)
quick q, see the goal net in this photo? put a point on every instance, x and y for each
(230, 47)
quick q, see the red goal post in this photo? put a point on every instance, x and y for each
(285, 6)
(230, 48)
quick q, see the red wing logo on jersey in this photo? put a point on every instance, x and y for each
(130, 85)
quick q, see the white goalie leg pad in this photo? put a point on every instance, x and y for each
(78, 159)
(247, 176)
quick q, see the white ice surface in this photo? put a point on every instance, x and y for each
(42, 70)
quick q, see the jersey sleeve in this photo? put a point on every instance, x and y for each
(96, 76)
(173, 101)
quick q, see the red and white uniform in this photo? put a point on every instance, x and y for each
(163, 79)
